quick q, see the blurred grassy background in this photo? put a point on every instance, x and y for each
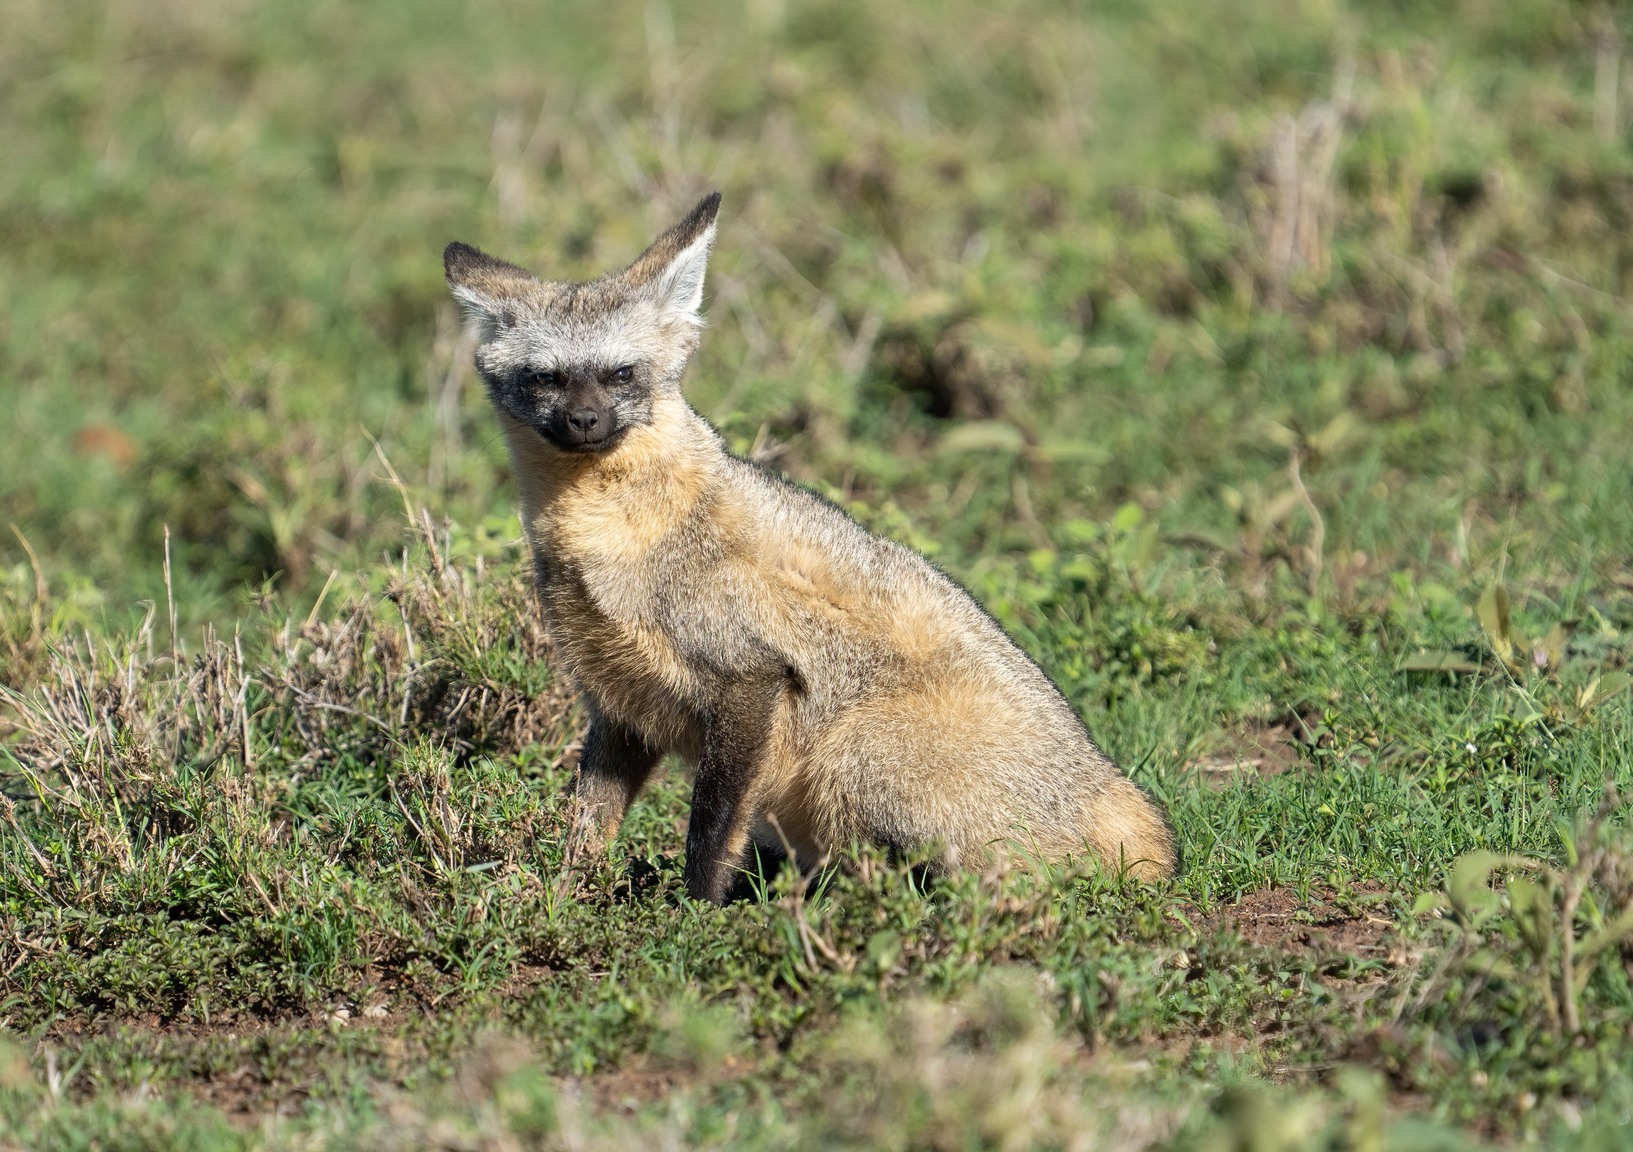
(999, 266)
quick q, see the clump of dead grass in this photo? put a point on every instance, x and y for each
(112, 747)
(453, 654)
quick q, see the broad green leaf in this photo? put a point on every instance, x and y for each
(1533, 907)
(1494, 621)
(1470, 888)
(1279, 434)
(1063, 450)
(1437, 660)
(1338, 432)
(1613, 683)
(883, 947)
(1428, 902)
(1128, 517)
(1552, 647)
(1488, 963)
(1080, 568)
(993, 436)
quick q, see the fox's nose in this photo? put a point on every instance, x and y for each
(585, 419)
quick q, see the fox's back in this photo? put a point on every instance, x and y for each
(853, 598)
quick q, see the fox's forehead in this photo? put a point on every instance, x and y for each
(574, 328)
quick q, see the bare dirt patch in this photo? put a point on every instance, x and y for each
(1258, 749)
(1320, 922)
(245, 1064)
(643, 1081)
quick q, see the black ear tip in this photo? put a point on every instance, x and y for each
(707, 208)
(457, 257)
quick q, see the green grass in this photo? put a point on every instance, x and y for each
(1234, 355)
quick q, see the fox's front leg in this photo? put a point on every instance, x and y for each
(614, 765)
(735, 737)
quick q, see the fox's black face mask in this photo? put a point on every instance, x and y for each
(580, 409)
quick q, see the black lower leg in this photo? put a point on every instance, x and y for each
(733, 749)
(613, 767)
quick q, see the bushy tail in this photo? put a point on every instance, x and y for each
(1129, 832)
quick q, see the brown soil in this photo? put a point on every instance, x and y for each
(643, 1080)
(1257, 749)
(1277, 918)
(244, 1093)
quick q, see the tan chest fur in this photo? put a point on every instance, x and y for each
(595, 523)
(627, 665)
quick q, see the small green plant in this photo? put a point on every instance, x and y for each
(1545, 925)
(1520, 657)
(1532, 668)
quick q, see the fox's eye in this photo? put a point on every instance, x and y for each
(543, 379)
(623, 375)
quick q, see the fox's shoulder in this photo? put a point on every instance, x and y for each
(788, 508)
(801, 526)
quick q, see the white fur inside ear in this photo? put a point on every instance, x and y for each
(680, 285)
(482, 313)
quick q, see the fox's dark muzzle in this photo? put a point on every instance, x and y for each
(585, 429)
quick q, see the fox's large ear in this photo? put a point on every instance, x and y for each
(672, 268)
(482, 286)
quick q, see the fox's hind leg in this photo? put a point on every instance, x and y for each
(615, 764)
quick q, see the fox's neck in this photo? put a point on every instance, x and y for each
(618, 503)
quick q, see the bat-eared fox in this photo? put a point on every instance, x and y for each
(830, 686)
